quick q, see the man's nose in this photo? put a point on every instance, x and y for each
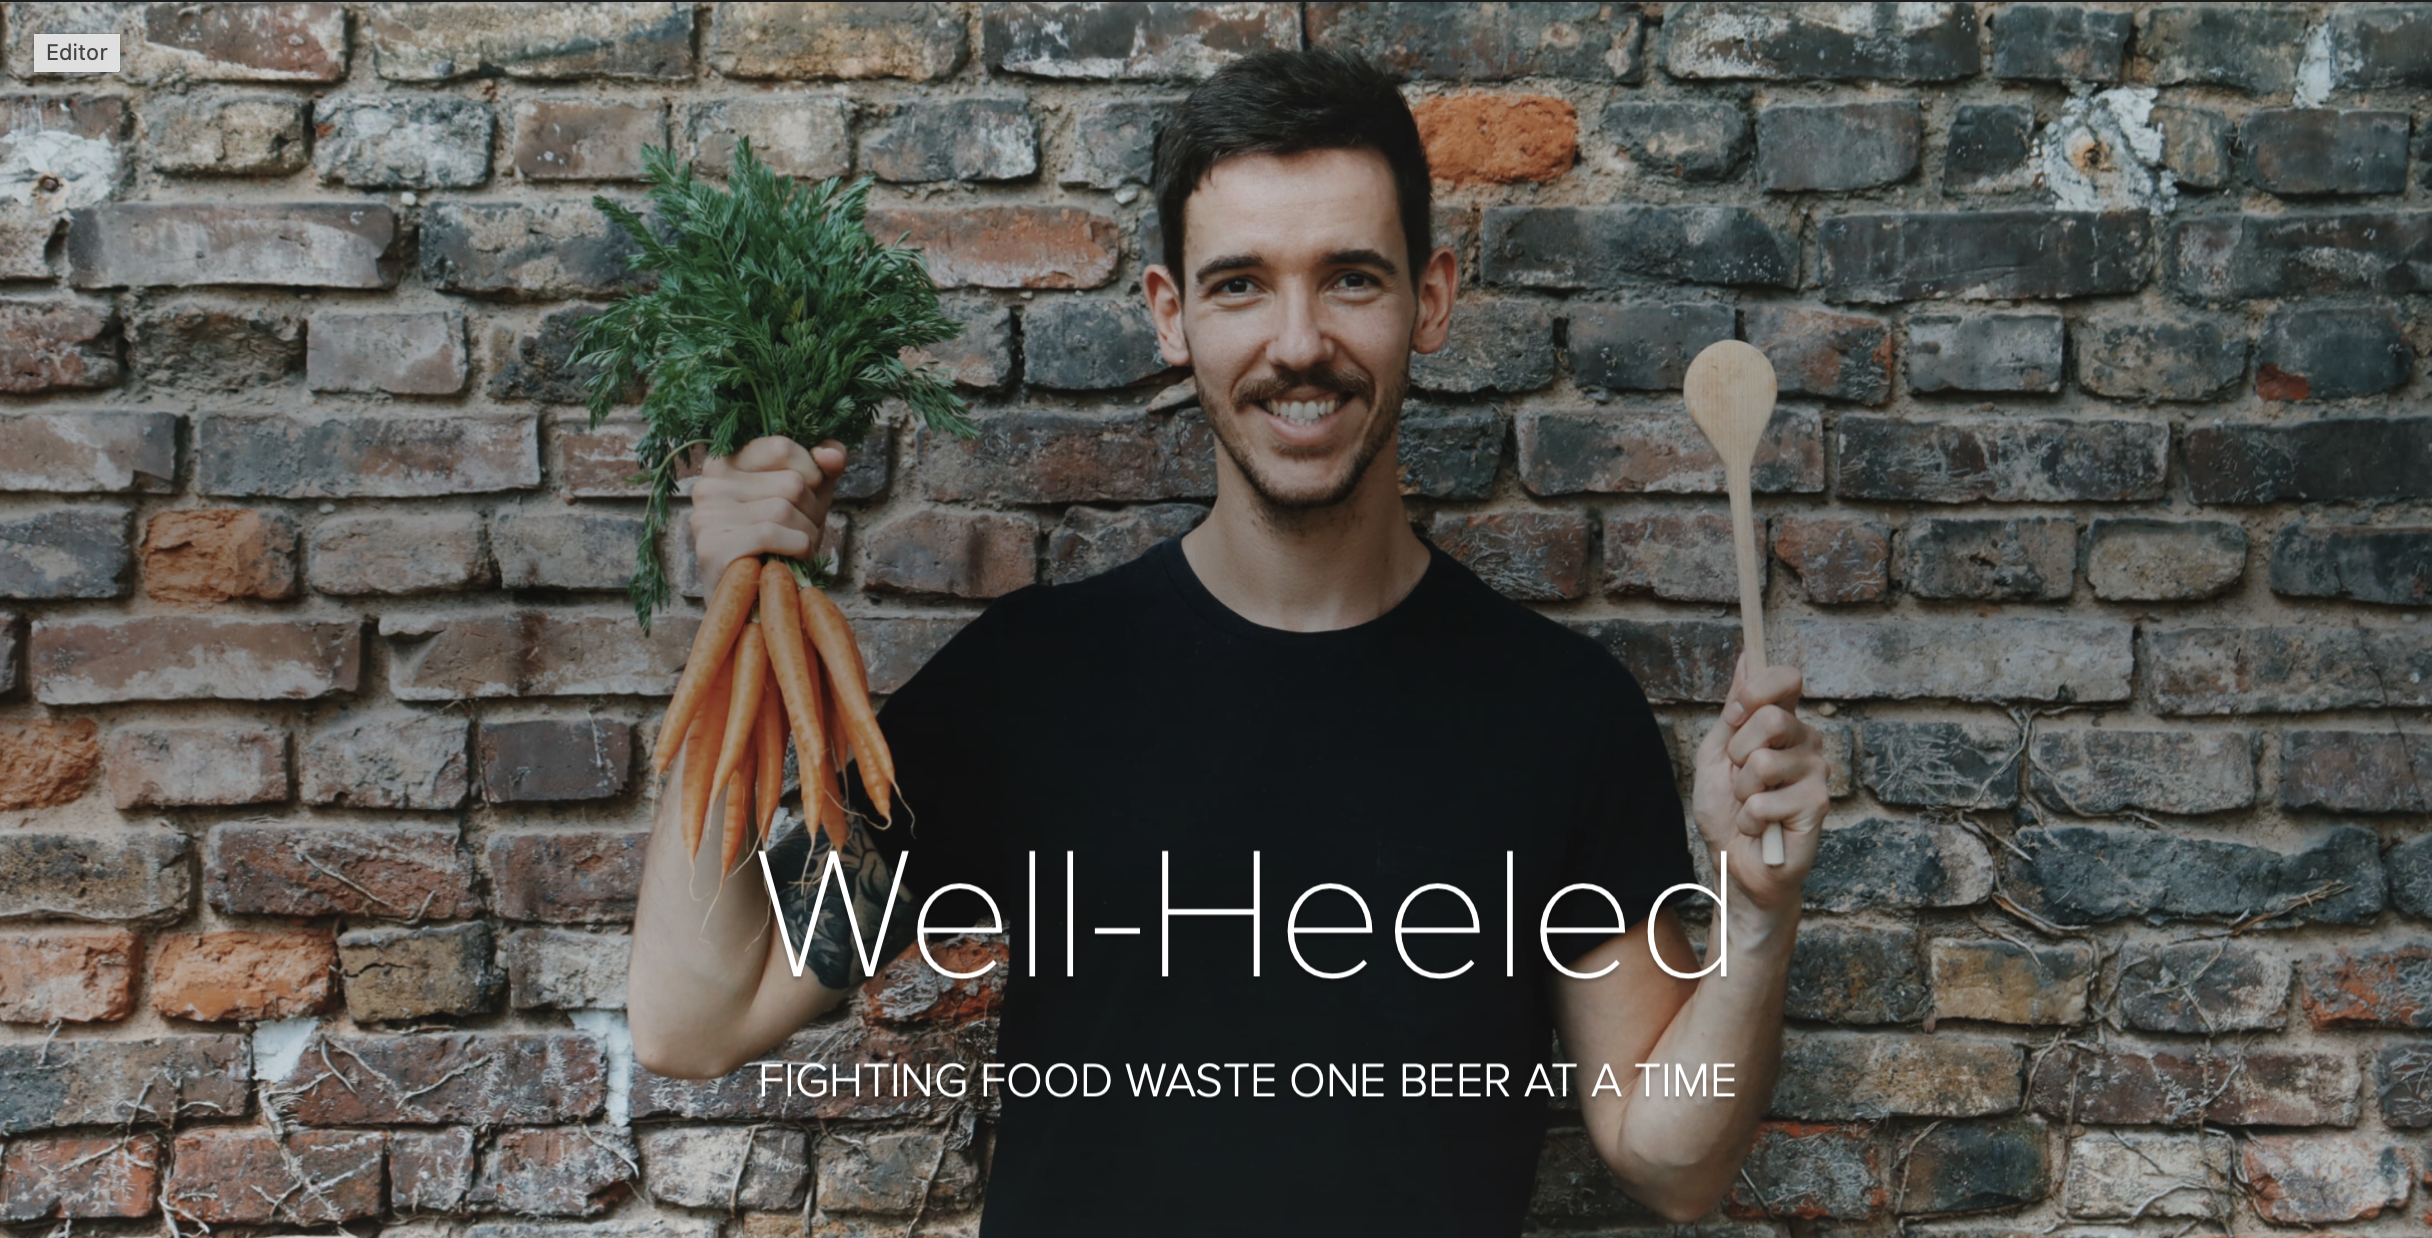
(1300, 341)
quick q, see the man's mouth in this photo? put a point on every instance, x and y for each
(1305, 413)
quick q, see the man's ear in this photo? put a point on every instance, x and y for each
(1437, 284)
(1165, 310)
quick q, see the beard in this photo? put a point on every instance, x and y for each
(1285, 502)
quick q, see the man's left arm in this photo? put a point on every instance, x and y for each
(1679, 1153)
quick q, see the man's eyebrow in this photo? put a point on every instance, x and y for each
(1230, 262)
(1362, 258)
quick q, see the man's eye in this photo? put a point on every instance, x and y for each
(1358, 279)
(1237, 286)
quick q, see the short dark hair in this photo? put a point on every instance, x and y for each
(1283, 103)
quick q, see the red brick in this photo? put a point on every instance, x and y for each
(53, 345)
(243, 974)
(908, 990)
(920, 42)
(958, 554)
(203, 556)
(1055, 456)
(1820, 352)
(2370, 987)
(567, 877)
(580, 140)
(552, 760)
(295, 245)
(558, 652)
(2324, 1179)
(252, 1176)
(430, 1171)
(69, 975)
(599, 462)
(419, 353)
(398, 872)
(1811, 1170)
(115, 1082)
(2217, 1085)
(1530, 555)
(484, 1078)
(1007, 246)
(181, 657)
(80, 1177)
(246, 42)
(1681, 556)
(555, 1171)
(87, 453)
(47, 763)
(1836, 558)
(1498, 139)
(126, 874)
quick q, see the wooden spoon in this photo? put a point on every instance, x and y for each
(1730, 390)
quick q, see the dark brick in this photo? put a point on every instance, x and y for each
(1007, 246)
(2356, 771)
(558, 877)
(1093, 344)
(394, 872)
(2249, 47)
(46, 1084)
(561, 1171)
(897, 1172)
(87, 453)
(2159, 356)
(1450, 453)
(583, 140)
(2410, 867)
(1864, 1076)
(79, 661)
(1600, 451)
(1791, 41)
(219, 136)
(807, 138)
(2293, 669)
(542, 365)
(2391, 565)
(1972, 1166)
(952, 553)
(2203, 988)
(1819, 352)
(2403, 1077)
(1835, 558)
(518, 251)
(430, 1170)
(132, 874)
(2235, 257)
(418, 353)
(2099, 771)
(2315, 352)
(1040, 455)
(554, 760)
(1690, 140)
(1837, 147)
(256, 1176)
(1610, 246)
(1090, 540)
(1855, 973)
(436, 1079)
(246, 42)
(2003, 459)
(1505, 346)
(1985, 352)
(921, 42)
(1982, 255)
(414, 761)
(2195, 146)
(953, 139)
(193, 766)
(2369, 987)
(541, 548)
(418, 552)
(1965, 764)
(2315, 1179)
(364, 456)
(563, 651)
(80, 1176)
(2297, 152)
(413, 973)
(1885, 863)
(1114, 143)
(2320, 460)
(402, 142)
(217, 346)
(2020, 559)
(65, 552)
(52, 345)
(1682, 556)
(2381, 45)
(2138, 559)
(2059, 43)
(1812, 1170)
(1961, 659)
(2078, 874)
(869, 468)
(1130, 41)
(424, 43)
(1642, 347)
(1989, 146)
(1591, 42)
(1530, 555)
(2011, 982)
(1672, 659)
(298, 245)
(2181, 1086)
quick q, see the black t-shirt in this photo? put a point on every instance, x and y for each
(1133, 714)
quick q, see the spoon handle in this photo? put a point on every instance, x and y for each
(1752, 606)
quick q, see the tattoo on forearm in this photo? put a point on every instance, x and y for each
(798, 859)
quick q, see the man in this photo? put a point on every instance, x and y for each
(1298, 717)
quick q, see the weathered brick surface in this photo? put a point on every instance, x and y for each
(249, 974)
(2287, 668)
(2009, 982)
(2116, 1176)
(574, 877)
(2184, 1084)
(2331, 353)
(1984, 352)
(1090, 540)
(216, 346)
(214, 135)
(79, 1176)
(921, 42)
(1046, 455)
(1684, 556)
(557, 652)
(1989, 149)
(549, 760)
(2195, 146)
(1099, 345)
(2372, 988)
(514, 251)
(254, 1176)
(1983, 255)
(1534, 556)
(2028, 559)
(195, 766)
(2059, 43)
(1497, 139)
(709, 1166)
(1007, 246)
(201, 556)
(1835, 558)
(86, 453)
(2235, 257)
(1973, 1166)
(47, 762)
(2389, 565)
(1963, 659)
(397, 872)
(2356, 771)
(2327, 459)
(1564, 451)
(1810, 1170)
(246, 42)
(410, 973)
(377, 553)
(808, 138)
(1450, 454)
(2138, 559)
(130, 874)
(1972, 763)
(553, 1171)
(52, 345)
(501, 1078)
(581, 140)
(2203, 987)
(2094, 772)
(2018, 461)
(1595, 45)
(1837, 147)
(1775, 41)
(955, 554)
(1130, 41)
(1856, 973)
(2325, 1179)
(953, 140)
(561, 969)
(2403, 1077)
(2086, 874)
(1819, 352)
(364, 457)
(175, 657)
(2171, 356)
(2297, 152)
(402, 354)
(2253, 48)
(64, 552)
(1690, 141)
(122, 1082)
(69, 975)
(418, 43)
(1503, 346)
(1642, 347)
(306, 244)
(1844, 1076)
(1612, 246)
(1885, 863)
(393, 142)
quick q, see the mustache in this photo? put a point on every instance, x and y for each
(1319, 378)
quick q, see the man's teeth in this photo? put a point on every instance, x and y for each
(1302, 412)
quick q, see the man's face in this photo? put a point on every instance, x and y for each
(1297, 312)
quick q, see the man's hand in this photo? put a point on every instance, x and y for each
(1761, 765)
(770, 497)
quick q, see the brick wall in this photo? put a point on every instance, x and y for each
(2096, 511)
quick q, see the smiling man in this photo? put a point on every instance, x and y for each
(1293, 790)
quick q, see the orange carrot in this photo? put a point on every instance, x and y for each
(743, 710)
(728, 608)
(768, 763)
(701, 740)
(738, 814)
(840, 653)
(797, 682)
(831, 806)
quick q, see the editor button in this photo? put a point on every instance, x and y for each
(75, 53)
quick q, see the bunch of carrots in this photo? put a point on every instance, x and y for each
(764, 629)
